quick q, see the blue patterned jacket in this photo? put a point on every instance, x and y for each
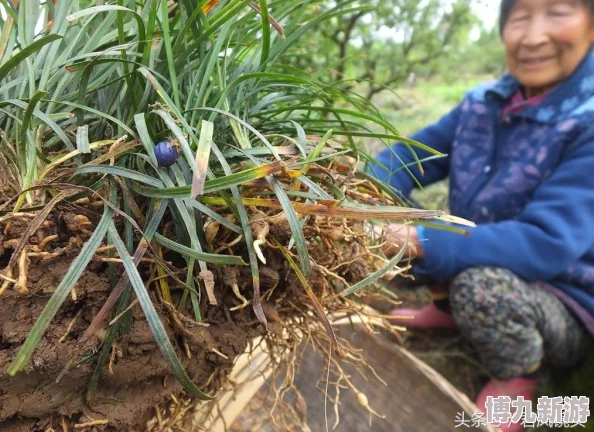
(526, 179)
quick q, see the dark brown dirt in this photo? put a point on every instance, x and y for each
(139, 380)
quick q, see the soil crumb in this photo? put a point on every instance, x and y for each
(137, 379)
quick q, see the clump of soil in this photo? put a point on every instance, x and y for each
(282, 305)
(138, 378)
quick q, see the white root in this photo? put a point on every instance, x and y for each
(260, 228)
(220, 354)
(257, 244)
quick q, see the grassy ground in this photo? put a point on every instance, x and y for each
(414, 107)
(411, 108)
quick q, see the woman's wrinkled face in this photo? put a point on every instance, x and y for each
(545, 41)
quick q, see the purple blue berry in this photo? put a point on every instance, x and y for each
(166, 153)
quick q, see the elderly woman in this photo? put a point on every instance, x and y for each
(520, 158)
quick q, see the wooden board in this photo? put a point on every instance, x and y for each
(416, 399)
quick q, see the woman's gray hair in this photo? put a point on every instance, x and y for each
(508, 5)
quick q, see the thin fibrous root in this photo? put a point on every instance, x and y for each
(244, 301)
(17, 216)
(220, 354)
(46, 241)
(69, 329)
(91, 423)
(113, 321)
(112, 357)
(21, 285)
(257, 244)
(7, 280)
(229, 245)
(260, 228)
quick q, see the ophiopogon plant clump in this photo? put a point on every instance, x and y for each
(118, 251)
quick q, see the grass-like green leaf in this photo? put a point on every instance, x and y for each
(378, 274)
(214, 185)
(24, 161)
(201, 256)
(243, 123)
(26, 52)
(74, 273)
(45, 119)
(120, 172)
(265, 31)
(153, 319)
(295, 225)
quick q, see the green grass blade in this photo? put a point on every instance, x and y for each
(9, 9)
(378, 274)
(243, 123)
(45, 119)
(153, 319)
(74, 273)
(145, 137)
(111, 8)
(316, 152)
(200, 256)
(27, 18)
(26, 52)
(169, 52)
(98, 114)
(295, 225)
(265, 32)
(22, 145)
(215, 216)
(302, 138)
(120, 172)
(213, 185)
(6, 34)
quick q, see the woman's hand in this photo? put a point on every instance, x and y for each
(395, 236)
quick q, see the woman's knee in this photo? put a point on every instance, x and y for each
(479, 290)
(475, 282)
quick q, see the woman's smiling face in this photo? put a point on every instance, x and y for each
(545, 41)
